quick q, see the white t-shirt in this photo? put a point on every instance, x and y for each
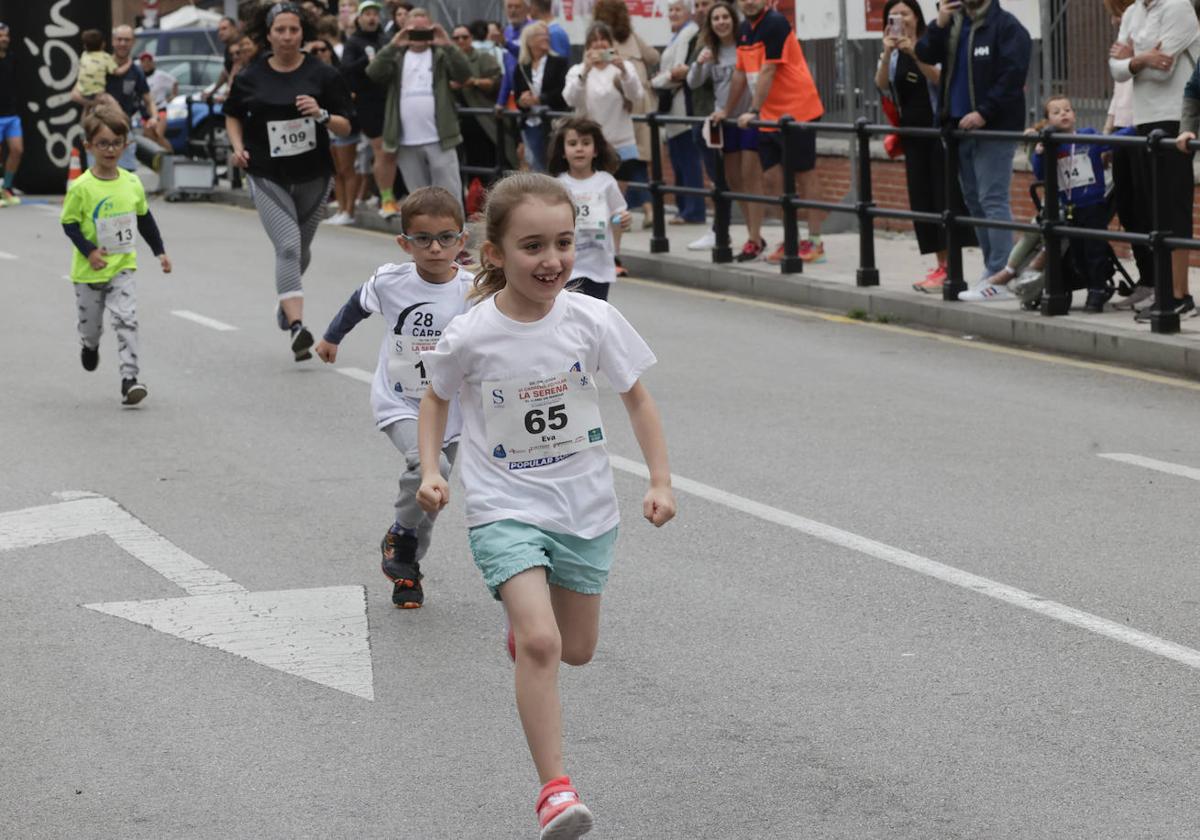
(417, 121)
(597, 199)
(598, 98)
(161, 84)
(412, 308)
(571, 494)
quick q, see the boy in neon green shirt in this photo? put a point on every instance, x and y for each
(103, 208)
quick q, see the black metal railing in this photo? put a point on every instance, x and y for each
(1056, 297)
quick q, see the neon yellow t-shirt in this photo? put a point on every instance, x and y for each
(106, 212)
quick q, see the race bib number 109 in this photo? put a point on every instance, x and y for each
(289, 138)
(535, 422)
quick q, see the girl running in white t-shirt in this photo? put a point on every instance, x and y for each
(582, 159)
(540, 503)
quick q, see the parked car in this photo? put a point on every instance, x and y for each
(163, 42)
(193, 72)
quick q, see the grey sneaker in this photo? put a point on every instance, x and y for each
(1140, 294)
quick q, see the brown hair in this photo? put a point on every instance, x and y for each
(430, 201)
(105, 116)
(1054, 97)
(606, 159)
(709, 38)
(508, 194)
(616, 15)
(1117, 8)
(93, 40)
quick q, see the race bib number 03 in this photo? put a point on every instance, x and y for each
(289, 138)
(115, 234)
(531, 423)
(406, 371)
(592, 215)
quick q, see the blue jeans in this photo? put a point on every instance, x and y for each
(632, 169)
(985, 171)
(685, 160)
(535, 146)
(706, 154)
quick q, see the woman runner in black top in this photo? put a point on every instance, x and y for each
(912, 86)
(279, 114)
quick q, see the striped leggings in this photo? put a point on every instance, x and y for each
(290, 214)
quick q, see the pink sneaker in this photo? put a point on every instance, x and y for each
(560, 813)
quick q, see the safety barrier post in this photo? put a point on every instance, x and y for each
(868, 273)
(722, 251)
(791, 262)
(954, 267)
(1056, 297)
(1162, 317)
(659, 244)
(501, 144)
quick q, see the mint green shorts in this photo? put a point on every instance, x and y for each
(506, 548)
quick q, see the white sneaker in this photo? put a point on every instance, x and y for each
(705, 243)
(985, 292)
(340, 219)
(1142, 298)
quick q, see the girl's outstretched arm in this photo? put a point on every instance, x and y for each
(658, 506)
(434, 493)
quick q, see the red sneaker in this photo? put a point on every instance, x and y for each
(812, 252)
(938, 274)
(776, 256)
(560, 813)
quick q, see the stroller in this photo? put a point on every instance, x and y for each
(1030, 261)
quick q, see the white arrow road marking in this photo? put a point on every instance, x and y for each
(931, 568)
(1152, 464)
(318, 634)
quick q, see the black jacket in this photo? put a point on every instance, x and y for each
(554, 79)
(999, 47)
(360, 48)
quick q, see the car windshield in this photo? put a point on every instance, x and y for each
(193, 72)
(182, 42)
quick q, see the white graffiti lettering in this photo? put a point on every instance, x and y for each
(57, 109)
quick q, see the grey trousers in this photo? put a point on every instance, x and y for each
(430, 166)
(119, 297)
(403, 433)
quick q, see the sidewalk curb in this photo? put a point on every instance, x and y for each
(1169, 354)
(1027, 329)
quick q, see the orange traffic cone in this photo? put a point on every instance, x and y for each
(75, 170)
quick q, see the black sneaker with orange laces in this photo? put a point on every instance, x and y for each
(399, 565)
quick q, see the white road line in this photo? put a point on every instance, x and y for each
(203, 320)
(931, 568)
(4, 255)
(357, 373)
(1152, 464)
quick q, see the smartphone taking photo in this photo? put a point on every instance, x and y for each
(420, 34)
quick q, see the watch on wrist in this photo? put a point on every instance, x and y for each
(323, 117)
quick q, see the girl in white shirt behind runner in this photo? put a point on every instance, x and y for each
(540, 503)
(582, 159)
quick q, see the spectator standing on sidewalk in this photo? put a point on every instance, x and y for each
(478, 91)
(675, 99)
(1157, 47)
(631, 49)
(713, 72)
(560, 41)
(772, 64)
(12, 142)
(163, 86)
(1133, 215)
(912, 85)
(539, 83)
(702, 103)
(420, 123)
(984, 52)
(370, 98)
(228, 33)
(517, 12)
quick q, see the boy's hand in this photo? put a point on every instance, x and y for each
(96, 259)
(326, 351)
(165, 262)
(434, 494)
(658, 506)
(1183, 139)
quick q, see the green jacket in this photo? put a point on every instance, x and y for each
(449, 64)
(483, 66)
(704, 98)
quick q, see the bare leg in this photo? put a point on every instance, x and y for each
(384, 167)
(578, 618)
(527, 600)
(293, 309)
(810, 189)
(16, 150)
(751, 179)
(1179, 272)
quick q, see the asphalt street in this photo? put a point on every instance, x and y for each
(765, 670)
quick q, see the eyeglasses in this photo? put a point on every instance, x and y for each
(425, 241)
(110, 145)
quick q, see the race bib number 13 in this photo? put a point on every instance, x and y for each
(292, 137)
(531, 423)
(115, 234)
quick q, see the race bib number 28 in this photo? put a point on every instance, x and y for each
(534, 422)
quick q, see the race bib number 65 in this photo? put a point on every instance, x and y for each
(534, 422)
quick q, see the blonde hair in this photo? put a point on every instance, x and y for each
(531, 29)
(508, 194)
